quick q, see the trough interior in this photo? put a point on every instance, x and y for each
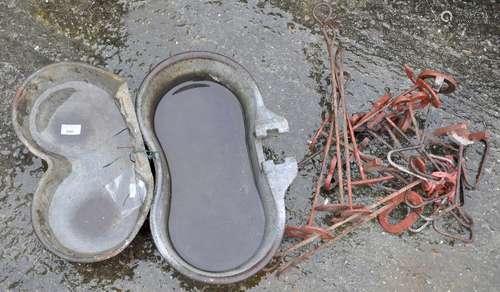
(83, 209)
(216, 220)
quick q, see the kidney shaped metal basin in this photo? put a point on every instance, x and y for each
(92, 200)
(218, 214)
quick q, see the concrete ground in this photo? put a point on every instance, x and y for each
(279, 44)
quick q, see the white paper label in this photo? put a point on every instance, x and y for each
(71, 130)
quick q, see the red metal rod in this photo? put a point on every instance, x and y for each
(306, 159)
(356, 151)
(371, 181)
(338, 61)
(396, 141)
(319, 183)
(333, 78)
(331, 172)
(306, 231)
(318, 133)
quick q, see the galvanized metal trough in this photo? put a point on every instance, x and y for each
(98, 187)
(218, 214)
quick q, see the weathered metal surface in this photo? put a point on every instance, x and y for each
(272, 180)
(92, 200)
